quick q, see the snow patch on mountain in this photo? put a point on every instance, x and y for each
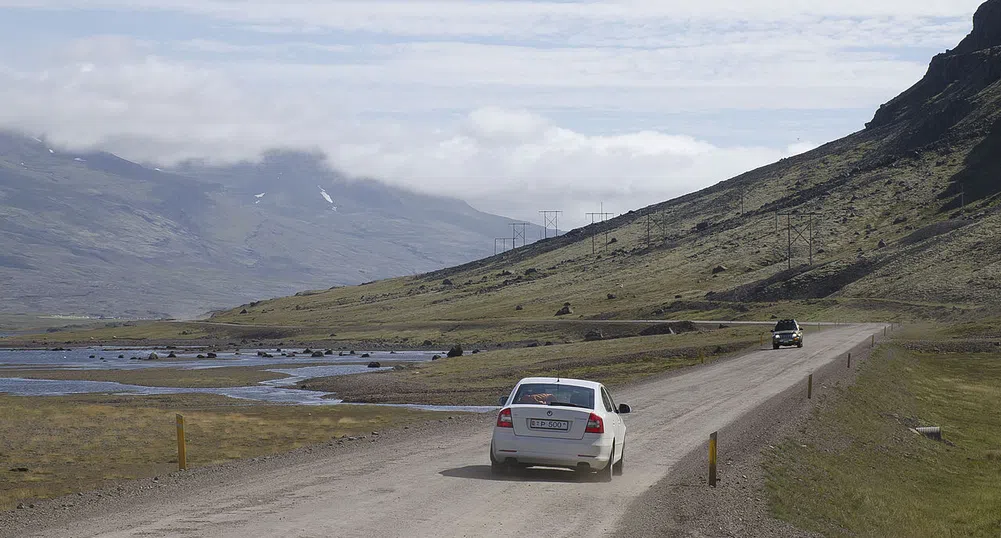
(327, 197)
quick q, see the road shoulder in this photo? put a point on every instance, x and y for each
(682, 503)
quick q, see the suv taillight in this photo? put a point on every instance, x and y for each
(595, 424)
(504, 419)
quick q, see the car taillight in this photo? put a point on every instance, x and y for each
(595, 424)
(504, 419)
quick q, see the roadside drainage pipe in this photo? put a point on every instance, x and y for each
(931, 432)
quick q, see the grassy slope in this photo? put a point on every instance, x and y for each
(857, 470)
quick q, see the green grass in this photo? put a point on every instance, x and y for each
(78, 443)
(857, 469)
(478, 379)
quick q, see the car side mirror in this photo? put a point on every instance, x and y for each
(502, 400)
(624, 409)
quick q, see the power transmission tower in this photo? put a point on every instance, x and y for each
(601, 216)
(798, 229)
(551, 218)
(518, 231)
(503, 241)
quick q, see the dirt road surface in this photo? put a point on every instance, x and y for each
(440, 485)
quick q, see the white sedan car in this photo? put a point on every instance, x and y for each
(554, 422)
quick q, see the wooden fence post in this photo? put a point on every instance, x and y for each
(182, 456)
(712, 459)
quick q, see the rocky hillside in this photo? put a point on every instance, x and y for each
(903, 217)
(96, 234)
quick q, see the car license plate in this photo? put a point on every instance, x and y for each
(539, 424)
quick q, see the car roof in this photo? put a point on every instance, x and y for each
(562, 381)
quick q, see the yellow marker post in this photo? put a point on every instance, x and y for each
(712, 459)
(182, 456)
(809, 387)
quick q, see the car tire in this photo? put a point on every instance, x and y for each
(775, 346)
(497, 468)
(799, 344)
(620, 466)
(605, 475)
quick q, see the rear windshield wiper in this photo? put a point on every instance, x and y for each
(566, 404)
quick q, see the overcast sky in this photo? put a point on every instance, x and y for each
(515, 105)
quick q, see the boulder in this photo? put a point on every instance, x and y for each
(565, 311)
(212, 355)
(519, 308)
(317, 354)
(719, 269)
(244, 311)
(447, 282)
(374, 365)
(436, 357)
(200, 356)
(593, 335)
(456, 351)
(881, 244)
(172, 355)
(612, 296)
(365, 355)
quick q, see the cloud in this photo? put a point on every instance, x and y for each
(489, 101)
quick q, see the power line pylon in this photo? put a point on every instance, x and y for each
(601, 216)
(550, 218)
(503, 241)
(799, 228)
(518, 231)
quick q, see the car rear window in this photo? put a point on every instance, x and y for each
(786, 326)
(555, 394)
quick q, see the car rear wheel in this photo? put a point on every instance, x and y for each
(605, 475)
(775, 346)
(620, 466)
(496, 468)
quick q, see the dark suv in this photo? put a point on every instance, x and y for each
(787, 332)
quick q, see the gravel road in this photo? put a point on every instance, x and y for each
(437, 482)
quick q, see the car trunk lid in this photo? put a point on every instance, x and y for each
(548, 421)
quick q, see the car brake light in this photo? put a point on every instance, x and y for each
(504, 419)
(595, 424)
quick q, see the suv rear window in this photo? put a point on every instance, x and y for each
(555, 394)
(786, 325)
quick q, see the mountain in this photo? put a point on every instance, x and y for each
(897, 221)
(96, 234)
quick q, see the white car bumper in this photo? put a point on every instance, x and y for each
(594, 450)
